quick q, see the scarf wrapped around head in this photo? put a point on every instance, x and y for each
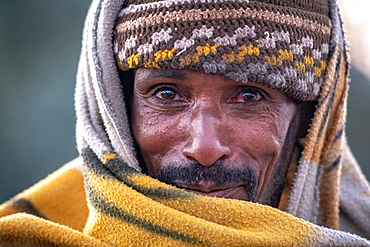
(283, 45)
(244, 38)
(293, 46)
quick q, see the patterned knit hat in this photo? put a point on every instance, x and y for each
(280, 44)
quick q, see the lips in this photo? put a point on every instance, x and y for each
(233, 191)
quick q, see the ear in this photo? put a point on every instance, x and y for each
(306, 110)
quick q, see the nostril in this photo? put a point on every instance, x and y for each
(223, 157)
(190, 157)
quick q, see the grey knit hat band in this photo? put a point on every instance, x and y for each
(281, 47)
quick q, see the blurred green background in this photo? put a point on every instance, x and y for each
(40, 43)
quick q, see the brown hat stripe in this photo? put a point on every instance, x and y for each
(315, 6)
(198, 14)
(167, 4)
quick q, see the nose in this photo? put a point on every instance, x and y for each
(205, 144)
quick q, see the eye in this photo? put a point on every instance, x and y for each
(247, 96)
(167, 94)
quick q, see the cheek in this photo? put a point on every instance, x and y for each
(258, 139)
(262, 135)
(157, 135)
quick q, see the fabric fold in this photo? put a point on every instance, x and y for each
(135, 209)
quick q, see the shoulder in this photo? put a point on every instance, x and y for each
(60, 197)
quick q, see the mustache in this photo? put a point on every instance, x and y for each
(219, 173)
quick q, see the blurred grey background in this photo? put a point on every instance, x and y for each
(40, 43)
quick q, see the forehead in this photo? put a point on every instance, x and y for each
(184, 78)
(142, 75)
(147, 74)
(193, 78)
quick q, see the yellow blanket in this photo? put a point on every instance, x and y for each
(127, 208)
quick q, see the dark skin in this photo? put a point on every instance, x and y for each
(214, 136)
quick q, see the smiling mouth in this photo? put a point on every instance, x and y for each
(224, 191)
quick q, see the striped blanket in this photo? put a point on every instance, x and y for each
(127, 208)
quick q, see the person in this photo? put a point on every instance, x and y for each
(217, 123)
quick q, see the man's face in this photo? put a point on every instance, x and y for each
(214, 136)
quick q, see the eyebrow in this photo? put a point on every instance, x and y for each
(165, 73)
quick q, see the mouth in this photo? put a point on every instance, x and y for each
(232, 191)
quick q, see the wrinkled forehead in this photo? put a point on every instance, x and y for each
(283, 46)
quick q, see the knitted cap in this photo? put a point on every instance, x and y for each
(280, 44)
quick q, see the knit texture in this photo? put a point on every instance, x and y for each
(280, 44)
